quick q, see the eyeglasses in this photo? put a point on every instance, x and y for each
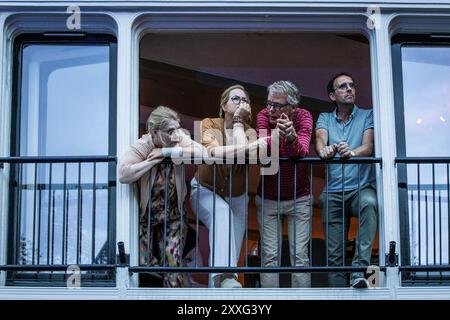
(346, 85)
(276, 106)
(237, 99)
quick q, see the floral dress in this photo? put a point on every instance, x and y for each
(169, 247)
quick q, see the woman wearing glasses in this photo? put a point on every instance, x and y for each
(218, 192)
(162, 190)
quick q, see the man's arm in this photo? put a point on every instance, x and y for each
(321, 139)
(365, 149)
(323, 150)
(298, 142)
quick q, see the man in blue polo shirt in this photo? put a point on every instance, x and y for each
(347, 132)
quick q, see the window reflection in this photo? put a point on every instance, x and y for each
(64, 111)
(426, 93)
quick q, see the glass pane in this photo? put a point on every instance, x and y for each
(64, 111)
(426, 93)
(64, 100)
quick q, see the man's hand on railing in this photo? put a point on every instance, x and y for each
(345, 151)
(328, 152)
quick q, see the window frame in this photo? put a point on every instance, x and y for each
(397, 42)
(61, 38)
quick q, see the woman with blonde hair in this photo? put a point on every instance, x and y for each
(222, 137)
(162, 190)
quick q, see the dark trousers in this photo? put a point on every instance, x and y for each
(336, 220)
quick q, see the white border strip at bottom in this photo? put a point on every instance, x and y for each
(41, 293)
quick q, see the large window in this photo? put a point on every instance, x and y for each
(62, 211)
(423, 121)
(188, 72)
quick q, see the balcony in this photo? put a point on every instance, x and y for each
(59, 238)
(423, 257)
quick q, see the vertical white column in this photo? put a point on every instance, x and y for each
(4, 143)
(383, 96)
(127, 132)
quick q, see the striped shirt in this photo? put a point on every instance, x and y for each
(303, 124)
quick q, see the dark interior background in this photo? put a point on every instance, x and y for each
(188, 73)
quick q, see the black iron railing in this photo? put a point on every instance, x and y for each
(313, 165)
(61, 213)
(52, 222)
(424, 193)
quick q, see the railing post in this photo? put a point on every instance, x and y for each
(383, 98)
(122, 272)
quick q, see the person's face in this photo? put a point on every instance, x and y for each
(235, 98)
(277, 105)
(344, 91)
(168, 137)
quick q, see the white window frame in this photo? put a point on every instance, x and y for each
(14, 24)
(241, 21)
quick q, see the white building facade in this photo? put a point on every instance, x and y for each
(121, 26)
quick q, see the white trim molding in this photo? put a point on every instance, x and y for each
(46, 293)
(383, 95)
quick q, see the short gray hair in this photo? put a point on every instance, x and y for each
(288, 88)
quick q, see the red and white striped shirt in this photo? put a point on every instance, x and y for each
(303, 124)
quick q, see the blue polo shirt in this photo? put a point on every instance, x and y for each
(352, 132)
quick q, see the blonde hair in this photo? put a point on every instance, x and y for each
(160, 117)
(226, 95)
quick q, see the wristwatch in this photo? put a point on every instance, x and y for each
(352, 153)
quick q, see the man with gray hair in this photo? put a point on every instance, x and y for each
(289, 196)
